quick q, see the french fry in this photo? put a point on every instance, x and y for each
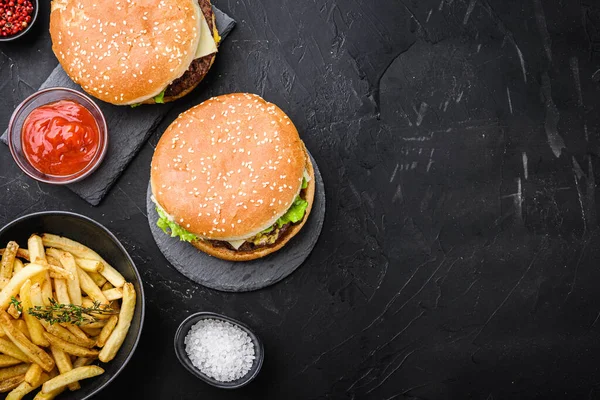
(89, 265)
(90, 288)
(89, 303)
(33, 374)
(22, 326)
(11, 383)
(17, 266)
(9, 372)
(36, 252)
(113, 294)
(68, 262)
(8, 361)
(21, 253)
(107, 286)
(91, 332)
(46, 288)
(10, 349)
(70, 348)
(24, 388)
(82, 361)
(66, 335)
(13, 312)
(96, 324)
(36, 295)
(36, 249)
(52, 260)
(63, 362)
(33, 352)
(97, 278)
(33, 324)
(13, 286)
(81, 251)
(50, 395)
(59, 273)
(74, 375)
(7, 263)
(61, 291)
(114, 342)
(107, 330)
(75, 330)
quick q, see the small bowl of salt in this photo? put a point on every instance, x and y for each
(219, 350)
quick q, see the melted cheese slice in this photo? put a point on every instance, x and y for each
(236, 243)
(206, 44)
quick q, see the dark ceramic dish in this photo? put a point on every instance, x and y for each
(179, 343)
(36, 7)
(97, 237)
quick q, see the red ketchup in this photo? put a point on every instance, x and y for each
(60, 138)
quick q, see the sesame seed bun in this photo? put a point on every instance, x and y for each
(235, 255)
(229, 167)
(198, 68)
(125, 52)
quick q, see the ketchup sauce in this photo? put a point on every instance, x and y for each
(60, 138)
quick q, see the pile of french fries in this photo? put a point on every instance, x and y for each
(37, 352)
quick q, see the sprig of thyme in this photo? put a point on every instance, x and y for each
(69, 313)
(17, 304)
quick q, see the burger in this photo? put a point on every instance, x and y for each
(232, 177)
(128, 52)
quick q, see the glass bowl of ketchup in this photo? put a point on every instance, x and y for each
(58, 135)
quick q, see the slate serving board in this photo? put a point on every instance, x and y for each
(242, 276)
(128, 129)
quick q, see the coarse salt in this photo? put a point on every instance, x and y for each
(220, 349)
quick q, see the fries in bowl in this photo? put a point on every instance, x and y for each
(63, 308)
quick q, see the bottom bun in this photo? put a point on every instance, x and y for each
(225, 253)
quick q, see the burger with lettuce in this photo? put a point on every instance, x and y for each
(232, 177)
(128, 52)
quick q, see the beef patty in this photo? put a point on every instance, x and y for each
(200, 66)
(248, 246)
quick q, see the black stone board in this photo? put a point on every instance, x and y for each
(128, 129)
(229, 276)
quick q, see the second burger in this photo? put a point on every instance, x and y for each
(232, 177)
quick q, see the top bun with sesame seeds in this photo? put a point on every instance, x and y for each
(232, 176)
(127, 52)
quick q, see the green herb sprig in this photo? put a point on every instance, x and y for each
(17, 304)
(69, 313)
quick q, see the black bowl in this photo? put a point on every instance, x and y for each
(36, 6)
(179, 343)
(98, 238)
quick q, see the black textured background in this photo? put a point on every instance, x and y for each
(458, 142)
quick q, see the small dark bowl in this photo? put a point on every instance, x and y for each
(97, 237)
(179, 343)
(36, 7)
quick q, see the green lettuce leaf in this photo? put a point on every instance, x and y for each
(160, 98)
(135, 105)
(269, 229)
(304, 183)
(175, 230)
(295, 212)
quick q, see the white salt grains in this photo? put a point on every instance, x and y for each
(220, 349)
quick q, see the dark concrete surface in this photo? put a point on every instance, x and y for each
(458, 142)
